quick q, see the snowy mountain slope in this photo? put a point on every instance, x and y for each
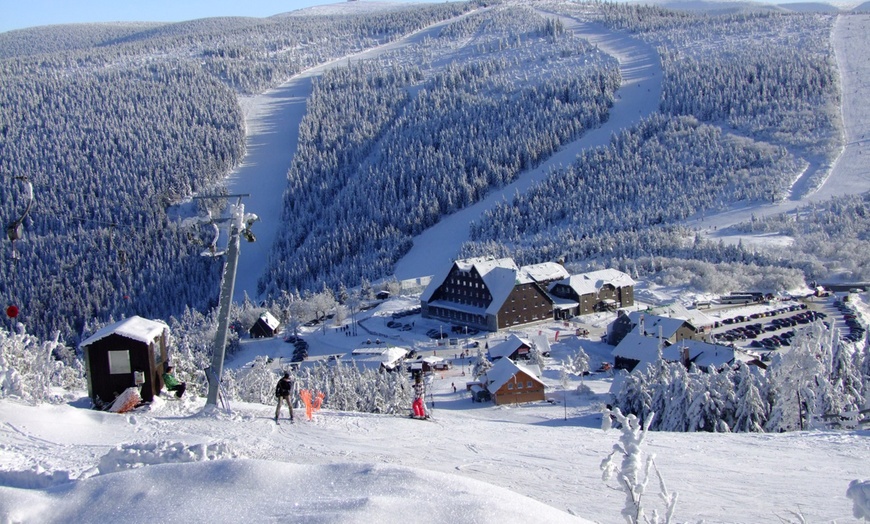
(637, 98)
(851, 171)
(472, 463)
(272, 126)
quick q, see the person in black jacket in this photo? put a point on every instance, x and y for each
(283, 390)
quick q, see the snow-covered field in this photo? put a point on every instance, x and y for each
(471, 462)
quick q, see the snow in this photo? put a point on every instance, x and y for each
(272, 134)
(135, 328)
(472, 462)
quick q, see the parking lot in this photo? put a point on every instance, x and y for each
(768, 328)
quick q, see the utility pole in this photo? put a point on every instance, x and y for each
(239, 225)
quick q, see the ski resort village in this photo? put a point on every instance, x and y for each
(456, 262)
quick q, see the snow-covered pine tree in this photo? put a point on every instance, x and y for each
(751, 414)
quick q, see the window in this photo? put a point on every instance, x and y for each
(519, 385)
(529, 384)
(119, 362)
(510, 385)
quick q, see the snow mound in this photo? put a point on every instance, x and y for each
(130, 456)
(263, 491)
(35, 478)
(859, 492)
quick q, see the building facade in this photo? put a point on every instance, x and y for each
(586, 293)
(489, 294)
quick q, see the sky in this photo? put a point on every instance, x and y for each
(18, 14)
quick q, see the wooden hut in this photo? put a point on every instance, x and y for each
(265, 327)
(129, 353)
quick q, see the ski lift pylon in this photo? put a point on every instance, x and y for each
(15, 229)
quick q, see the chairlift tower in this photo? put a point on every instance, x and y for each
(239, 225)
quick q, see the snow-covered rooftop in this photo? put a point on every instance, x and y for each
(507, 347)
(270, 320)
(134, 328)
(546, 271)
(504, 370)
(647, 324)
(591, 282)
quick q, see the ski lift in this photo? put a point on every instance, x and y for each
(15, 229)
(212, 249)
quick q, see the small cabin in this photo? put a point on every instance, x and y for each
(265, 327)
(129, 353)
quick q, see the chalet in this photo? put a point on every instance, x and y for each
(486, 293)
(671, 330)
(636, 349)
(129, 353)
(265, 327)
(511, 383)
(514, 348)
(702, 322)
(586, 293)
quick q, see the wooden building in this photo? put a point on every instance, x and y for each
(486, 293)
(265, 327)
(511, 383)
(514, 348)
(607, 289)
(671, 330)
(129, 353)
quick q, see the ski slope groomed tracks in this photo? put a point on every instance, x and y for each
(637, 98)
(272, 122)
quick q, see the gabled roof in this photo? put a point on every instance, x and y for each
(702, 354)
(135, 328)
(652, 323)
(500, 275)
(637, 347)
(270, 320)
(503, 371)
(507, 347)
(645, 351)
(676, 310)
(545, 271)
(591, 282)
(500, 281)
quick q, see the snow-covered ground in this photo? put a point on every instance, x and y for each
(272, 121)
(637, 98)
(272, 133)
(850, 174)
(472, 462)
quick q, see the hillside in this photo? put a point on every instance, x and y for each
(450, 111)
(474, 462)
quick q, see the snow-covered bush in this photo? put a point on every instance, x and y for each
(632, 473)
(29, 369)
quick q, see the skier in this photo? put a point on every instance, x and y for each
(283, 390)
(419, 408)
